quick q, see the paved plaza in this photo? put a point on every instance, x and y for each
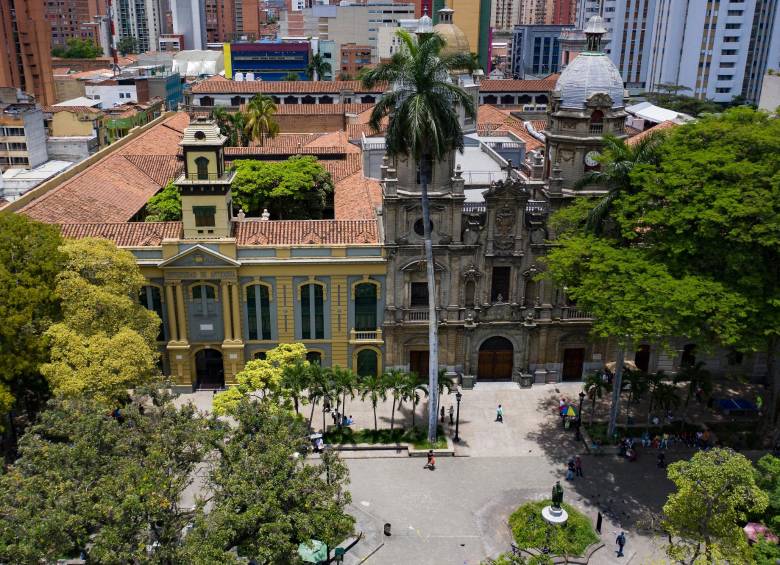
(457, 514)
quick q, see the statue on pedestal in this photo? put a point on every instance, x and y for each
(557, 495)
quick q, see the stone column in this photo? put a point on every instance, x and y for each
(236, 313)
(226, 323)
(181, 314)
(171, 310)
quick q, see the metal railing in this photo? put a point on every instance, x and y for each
(596, 128)
(474, 207)
(537, 207)
(208, 176)
(569, 313)
(417, 315)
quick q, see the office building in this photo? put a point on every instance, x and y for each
(536, 50)
(504, 14)
(354, 58)
(564, 12)
(22, 132)
(77, 19)
(267, 60)
(189, 20)
(25, 49)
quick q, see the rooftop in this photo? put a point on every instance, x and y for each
(221, 85)
(546, 84)
(656, 114)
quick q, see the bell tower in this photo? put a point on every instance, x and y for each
(205, 184)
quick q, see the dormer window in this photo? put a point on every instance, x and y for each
(203, 167)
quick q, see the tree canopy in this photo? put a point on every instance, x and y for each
(106, 341)
(76, 48)
(299, 188)
(715, 493)
(165, 206)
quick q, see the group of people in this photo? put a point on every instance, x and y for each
(574, 468)
(339, 417)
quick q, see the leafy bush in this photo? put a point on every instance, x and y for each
(416, 436)
(530, 530)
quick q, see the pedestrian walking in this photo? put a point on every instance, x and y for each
(578, 466)
(451, 412)
(442, 414)
(500, 414)
(431, 464)
(621, 542)
(570, 470)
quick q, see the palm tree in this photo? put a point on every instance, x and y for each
(595, 386)
(396, 382)
(375, 388)
(318, 67)
(343, 382)
(238, 135)
(637, 385)
(296, 378)
(260, 118)
(222, 117)
(617, 160)
(697, 377)
(319, 390)
(424, 126)
(413, 392)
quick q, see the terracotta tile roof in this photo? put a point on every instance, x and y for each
(655, 129)
(319, 109)
(288, 140)
(125, 234)
(492, 121)
(118, 185)
(307, 232)
(357, 197)
(223, 86)
(74, 109)
(334, 139)
(546, 84)
(247, 152)
(539, 125)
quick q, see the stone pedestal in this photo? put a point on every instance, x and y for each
(554, 516)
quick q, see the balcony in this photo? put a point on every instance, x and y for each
(416, 316)
(362, 337)
(569, 313)
(597, 128)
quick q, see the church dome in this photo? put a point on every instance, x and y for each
(457, 42)
(590, 72)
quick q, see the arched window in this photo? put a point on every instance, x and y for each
(314, 357)
(291, 100)
(204, 300)
(202, 165)
(326, 99)
(367, 99)
(490, 99)
(308, 100)
(508, 99)
(206, 101)
(597, 121)
(312, 312)
(236, 101)
(365, 307)
(150, 298)
(367, 363)
(258, 311)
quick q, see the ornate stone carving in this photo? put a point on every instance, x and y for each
(471, 273)
(504, 231)
(531, 271)
(599, 100)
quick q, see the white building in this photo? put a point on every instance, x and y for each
(717, 49)
(770, 93)
(189, 20)
(139, 19)
(112, 92)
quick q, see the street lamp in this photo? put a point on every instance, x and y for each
(458, 396)
(579, 415)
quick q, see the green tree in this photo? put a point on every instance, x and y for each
(715, 492)
(374, 388)
(396, 382)
(413, 391)
(296, 189)
(110, 486)
(165, 206)
(767, 474)
(259, 117)
(266, 500)
(617, 159)
(697, 377)
(343, 382)
(77, 48)
(595, 386)
(296, 378)
(424, 126)
(106, 341)
(29, 263)
(319, 68)
(127, 45)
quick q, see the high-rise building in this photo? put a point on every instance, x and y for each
(189, 20)
(232, 20)
(533, 12)
(504, 14)
(74, 19)
(25, 49)
(140, 20)
(564, 12)
(536, 50)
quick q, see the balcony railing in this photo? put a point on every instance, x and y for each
(208, 176)
(365, 336)
(417, 315)
(574, 314)
(596, 128)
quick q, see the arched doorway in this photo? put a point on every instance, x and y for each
(209, 369)
(495, 359)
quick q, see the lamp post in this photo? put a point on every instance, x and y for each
(579, 415)
(458, 396)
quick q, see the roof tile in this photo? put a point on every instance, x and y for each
(222, 86)
(307, 232)
(125, 234)
(546, 84)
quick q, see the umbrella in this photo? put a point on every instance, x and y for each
(627, 364)
(313, 552)
(569, 410)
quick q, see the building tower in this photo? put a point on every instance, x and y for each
(206, 200)
(587, 103)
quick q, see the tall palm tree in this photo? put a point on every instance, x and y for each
(260, 121)
(296, 378)
(594, 386)
(343, 381)
(617, 160)
(374, 388)
(413, 391)
(396, 382)
(319, 390)
(222, 117)
(424, 126)
(318, 67)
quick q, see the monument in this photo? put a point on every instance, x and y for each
(554, 514)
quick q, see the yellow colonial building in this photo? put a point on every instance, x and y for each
(229, 288)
